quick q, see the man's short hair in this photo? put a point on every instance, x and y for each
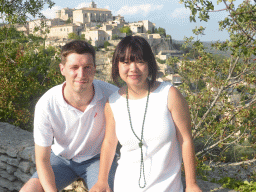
(76, 46)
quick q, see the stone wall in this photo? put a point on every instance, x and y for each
(17, 159)
(17, 163)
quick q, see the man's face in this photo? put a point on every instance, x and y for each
(79, 72)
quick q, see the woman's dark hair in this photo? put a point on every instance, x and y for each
(132, 49)
(76, 46)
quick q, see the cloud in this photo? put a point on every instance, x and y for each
(138, 9)
(82, 5)
(50, 13)
(180, 13)
(107, 7)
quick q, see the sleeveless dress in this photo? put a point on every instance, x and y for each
(161, 149)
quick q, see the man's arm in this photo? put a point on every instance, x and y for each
(44, 168)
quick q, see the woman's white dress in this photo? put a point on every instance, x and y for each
(161, 149)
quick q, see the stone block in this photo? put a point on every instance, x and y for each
(12, 161)
(2, 150)
(6, 175)
(17, 185)
(11, 135)
(28, 153)
(11, 151)
(24, 166)
(3, 189)
(3, 158)
(10, 186)
(22, 176)
(7, 184)
(3, 165)
(10, 169)
(32, 170)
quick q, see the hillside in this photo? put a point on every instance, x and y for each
(208, 47)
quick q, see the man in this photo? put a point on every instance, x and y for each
(69, 124)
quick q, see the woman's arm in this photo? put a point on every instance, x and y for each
(108, 150)
(181, 117)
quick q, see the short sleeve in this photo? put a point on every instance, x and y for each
(43, 132)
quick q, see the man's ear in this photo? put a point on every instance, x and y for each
(61, 68)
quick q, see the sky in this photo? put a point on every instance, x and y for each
(168, 14)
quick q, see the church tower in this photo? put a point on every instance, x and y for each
(92, 5)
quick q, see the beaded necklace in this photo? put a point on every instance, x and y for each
(140, 139)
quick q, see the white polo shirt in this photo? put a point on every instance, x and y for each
(73, 134)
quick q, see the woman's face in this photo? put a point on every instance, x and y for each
(133, 73)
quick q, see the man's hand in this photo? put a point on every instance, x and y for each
(101, 187)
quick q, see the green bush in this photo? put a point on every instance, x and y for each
(241, 186)
(161, 61)
(27, 71)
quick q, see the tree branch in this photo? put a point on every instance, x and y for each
(236, 21)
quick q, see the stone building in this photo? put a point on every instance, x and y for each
(142, 26)
(85, 15)
(104, 33)
(64, 14)
(90, 15)
(62, 31)
(136, 27)
(22, 28)
(48, 23)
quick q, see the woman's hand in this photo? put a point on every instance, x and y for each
(101, 187)
(193, 188)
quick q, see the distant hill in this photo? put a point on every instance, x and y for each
(209, 49)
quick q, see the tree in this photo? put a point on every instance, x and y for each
(161, 31)
(82, 37)
(115, 37)
(27, 69)
(68, 21)
(106, 44)
(17, 11)
(221, 92)
(73, 36)
(126, 30)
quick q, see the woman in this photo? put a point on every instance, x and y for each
(151, 121)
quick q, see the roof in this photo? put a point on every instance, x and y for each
(65, 25)
(93, 9)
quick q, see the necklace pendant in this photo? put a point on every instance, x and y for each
(140, 144)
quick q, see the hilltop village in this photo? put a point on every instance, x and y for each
(96, 25)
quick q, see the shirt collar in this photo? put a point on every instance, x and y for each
(98, 95)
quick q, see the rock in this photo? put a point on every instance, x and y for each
(22, 176)
(3, 165)
(24, 166)
(10, 169)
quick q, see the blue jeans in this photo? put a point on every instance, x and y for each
(67, 171)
